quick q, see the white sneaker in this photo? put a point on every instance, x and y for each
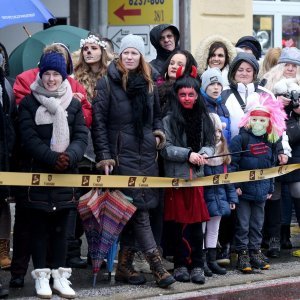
(61, 284)
(42, 287)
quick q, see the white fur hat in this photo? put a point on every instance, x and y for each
(217, 121)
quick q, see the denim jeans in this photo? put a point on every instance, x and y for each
(250, 219)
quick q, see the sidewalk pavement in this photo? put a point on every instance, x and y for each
(286, 267)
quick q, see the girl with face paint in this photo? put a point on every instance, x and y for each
(92, 63)
(190, 138)
(264, 123)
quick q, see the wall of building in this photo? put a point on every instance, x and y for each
(230, 18)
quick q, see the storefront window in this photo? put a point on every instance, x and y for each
(263, 30)
(290, 31)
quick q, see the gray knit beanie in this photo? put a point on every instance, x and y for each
(290, 55)
(132, 41)
(211, 76)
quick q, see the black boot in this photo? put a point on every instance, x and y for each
(206, 269)
(3, 292)
(125, 271)
(73, 255)
(285, 237)
(212, 262)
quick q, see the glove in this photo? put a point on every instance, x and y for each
(62, 162)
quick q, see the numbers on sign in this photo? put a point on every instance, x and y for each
(158, 15)
(144, 2)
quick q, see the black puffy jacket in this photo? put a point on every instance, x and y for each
(114, 135)
(37, 157)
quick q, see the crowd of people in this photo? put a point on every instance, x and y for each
(178, 116)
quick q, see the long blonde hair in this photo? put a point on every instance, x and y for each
(143, 68)
(270, 60)
(84, 74)
(275, 74)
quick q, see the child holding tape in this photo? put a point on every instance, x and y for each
(190, 137)
(220, 199)
(263, 123)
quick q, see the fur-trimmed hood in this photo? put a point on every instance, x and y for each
(202, 50)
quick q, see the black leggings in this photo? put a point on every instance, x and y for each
(50, 227)
(188, 240)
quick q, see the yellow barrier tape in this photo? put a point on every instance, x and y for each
(113, 181)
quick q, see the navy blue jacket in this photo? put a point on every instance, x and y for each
(253, 190)
(218, 197)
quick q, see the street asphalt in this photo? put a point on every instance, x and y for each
(285, 269)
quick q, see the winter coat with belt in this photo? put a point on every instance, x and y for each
(253, 190)
(114, 135)
(37, 157)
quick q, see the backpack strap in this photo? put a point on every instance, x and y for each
(239, 99)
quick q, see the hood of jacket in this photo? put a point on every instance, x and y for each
(243, 56)
(202, 50)
(155, 34)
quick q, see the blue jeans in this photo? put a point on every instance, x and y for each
(250, 219)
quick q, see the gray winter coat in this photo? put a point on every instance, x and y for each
(176, 155)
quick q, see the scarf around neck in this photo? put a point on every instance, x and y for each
(53, 111)
(137, 91)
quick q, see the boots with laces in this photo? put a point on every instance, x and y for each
(162, 276)
(125, 271)
(5, 260)
(61, 284)
(42, 287)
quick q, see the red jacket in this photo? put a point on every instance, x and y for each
(25, 79)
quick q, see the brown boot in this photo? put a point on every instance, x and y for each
(5, 260)
(162, 276)
(125, 271)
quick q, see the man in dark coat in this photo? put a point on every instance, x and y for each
(164, 38)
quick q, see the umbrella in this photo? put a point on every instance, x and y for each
(104, 216)
(27, 55)
(29, 11)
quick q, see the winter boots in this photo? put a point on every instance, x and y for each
(61, 284)
(274, 247)
(5, 260)
(206, 269)
(42, 287)
(162, 276)
(125, 271)
(212, 262)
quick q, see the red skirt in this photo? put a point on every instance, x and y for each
(185, 205)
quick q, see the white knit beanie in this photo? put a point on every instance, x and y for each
(132, 41)
(219, 125)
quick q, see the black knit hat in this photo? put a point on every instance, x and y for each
(53, 61)
(252, 43)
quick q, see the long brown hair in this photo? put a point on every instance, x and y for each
(143, 68)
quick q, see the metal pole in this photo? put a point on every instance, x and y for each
(184, 24)
(94, 15)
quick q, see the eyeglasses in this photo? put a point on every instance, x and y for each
(168, 36)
